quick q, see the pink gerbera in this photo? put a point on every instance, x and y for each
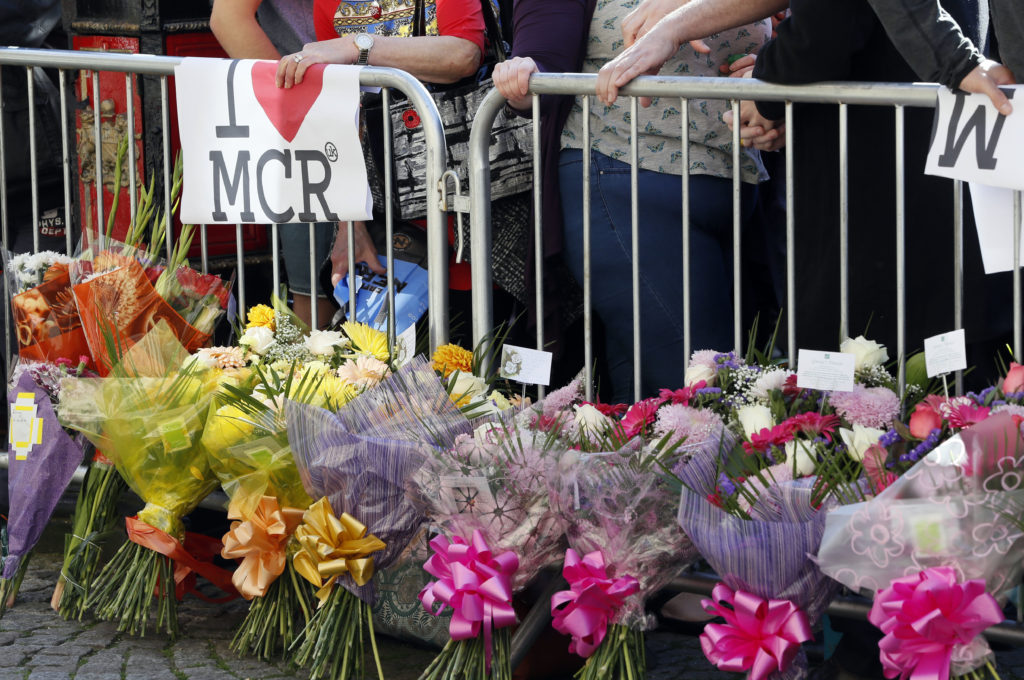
(813, 424)
(965, 415)
(681, 396)
(768, 438)
(639, 416)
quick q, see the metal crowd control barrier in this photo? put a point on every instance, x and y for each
(683, 89)
(163, 67)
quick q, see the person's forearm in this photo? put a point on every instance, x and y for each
(928, 38)
(234, 24)
(433, 59)
(700, 18)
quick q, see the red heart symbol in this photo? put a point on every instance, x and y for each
(286, 109)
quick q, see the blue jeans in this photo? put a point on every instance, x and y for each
(295, 248)
(661, 247)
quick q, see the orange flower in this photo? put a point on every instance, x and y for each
(450, 358)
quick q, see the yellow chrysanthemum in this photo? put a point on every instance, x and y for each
(337, 392)
(367, 340)
(450, 358)
(261, 315)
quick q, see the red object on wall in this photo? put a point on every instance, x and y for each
(220, 238)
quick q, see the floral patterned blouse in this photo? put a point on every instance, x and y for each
(659, 149)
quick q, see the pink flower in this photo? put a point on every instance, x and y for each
(767, 438)
(562, 398)
(965, 415)
(868, 406)
(697, 428)
(682, 396)
(705, 358)
(1014, 380)
(639, 416)
(924, 420)
(813, 424)
(610, 410)
(874, 468)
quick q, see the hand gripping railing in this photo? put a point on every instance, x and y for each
(898, 96)
(163, 67)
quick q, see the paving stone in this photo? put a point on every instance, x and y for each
(49, 674)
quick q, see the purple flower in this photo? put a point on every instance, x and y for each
(868, 406)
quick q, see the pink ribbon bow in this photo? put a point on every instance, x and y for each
(925, 616)
(760, 636)
(475, 583)
(592, 600)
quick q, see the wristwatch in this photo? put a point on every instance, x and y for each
(364, 41)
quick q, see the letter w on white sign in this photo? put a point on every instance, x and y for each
(256, 153)
(972, 141)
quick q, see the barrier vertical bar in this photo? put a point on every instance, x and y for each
(389, 214)
(588, 312)
(351, 226)
(480, 215)
(634, 216)
(901, 274)
(98, 141)
(4, 230)
(538, 228)
(275, 256)
(130, 108)
(958, 268)
(165, 119)
(240, 260)
(737, 244)
(204, 250)
(790, 243)
(65, 157)
(844, 222)
(1016, 277)
(684, 108)
(313, 301)
(33, 175)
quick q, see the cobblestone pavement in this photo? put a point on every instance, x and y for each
(35, 644)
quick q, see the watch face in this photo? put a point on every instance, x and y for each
(364, 41)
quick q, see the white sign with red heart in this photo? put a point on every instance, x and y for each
(257, 153)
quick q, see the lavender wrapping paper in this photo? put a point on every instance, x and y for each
(37, 483)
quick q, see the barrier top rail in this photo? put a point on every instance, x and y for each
(413, 89)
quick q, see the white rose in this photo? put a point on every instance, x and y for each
(590, 420)
(867, 353)
(469, 386)
(199, 362)
(322, 343)
(257, 339)
(804, 461)
(754, 418)
(697, 372)
(859, 440)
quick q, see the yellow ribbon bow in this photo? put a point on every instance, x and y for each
(261, 542)
(332, 546)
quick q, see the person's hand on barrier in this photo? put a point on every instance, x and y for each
(292, 67)
(645, 57)
(647, 14)
(985, 79)
(739, 67)
(512, 80)
(757, 131)
(364, 249)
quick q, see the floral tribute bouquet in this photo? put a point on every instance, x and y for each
(487, 492)
(360, 463)
(618, 511)
(772, 592)
(42, 460)
(46, 319)
(936, 546)
(122, 293)
(150, 425)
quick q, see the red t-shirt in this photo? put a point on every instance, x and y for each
(459, 18)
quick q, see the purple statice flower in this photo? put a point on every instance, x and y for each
(726, 485)
(698, 429)
(890, 438)
(728, 360)
(1015, 395)
(710, 391)
(983, 395)
(561, 399)
(918, 452)
(868, 406)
